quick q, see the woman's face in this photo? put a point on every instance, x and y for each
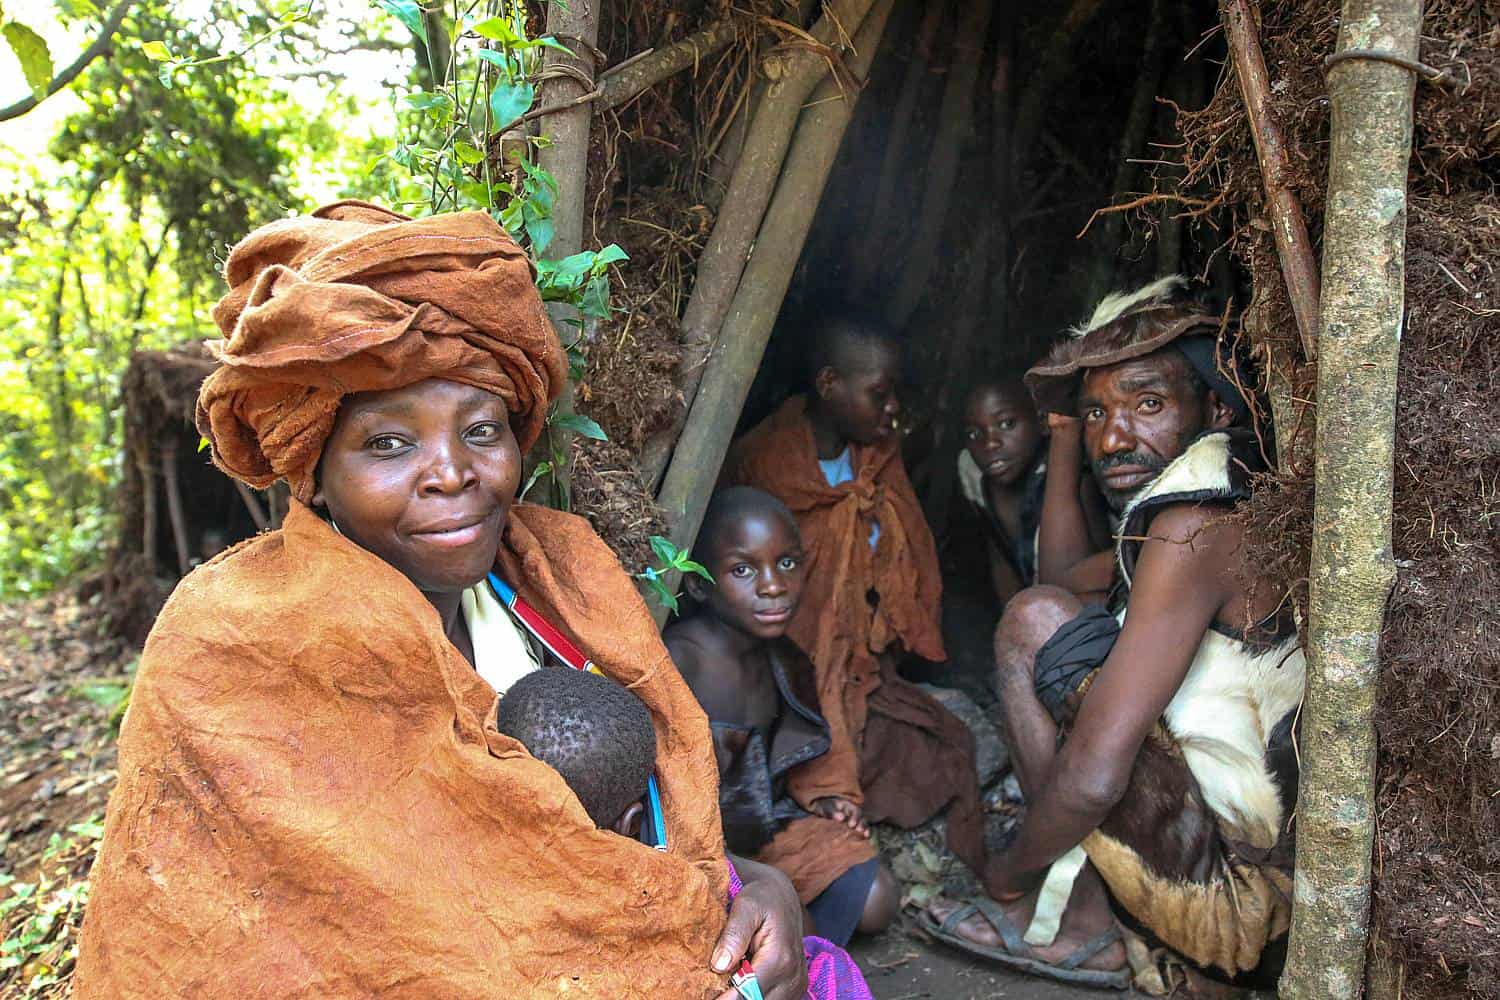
(423, 476)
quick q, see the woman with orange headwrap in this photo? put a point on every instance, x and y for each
(313, 798)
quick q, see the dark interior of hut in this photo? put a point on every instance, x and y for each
(961, 213)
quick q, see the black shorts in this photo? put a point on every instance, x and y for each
(1073, 652)
(837, 909)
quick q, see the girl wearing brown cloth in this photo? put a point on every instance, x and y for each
(313, 797)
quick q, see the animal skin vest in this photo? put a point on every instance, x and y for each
(1234, 713)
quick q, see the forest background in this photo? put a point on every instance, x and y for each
(189, 125)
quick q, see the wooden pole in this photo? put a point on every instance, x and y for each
(257, 512)
(954, 118)
(1138, 116)
(883, 218)
(793, 72)
(148, 508)
(575, 24)
(644, 71)
(1056, 62)
(1359, 338)
(174, 509)
(695, 464)
(1293, 246)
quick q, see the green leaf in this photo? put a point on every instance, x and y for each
(500, 61)
(31, 52)
(665, 549)
(542, 469)
(156, 51)
(580, 425)
(409, 13)
(105, 694)
(548, 42)
(611, 254)
(203, 443)
(509, 101)
(500, 30)
(688, 566)
(595, 302)
(539, 229)
(466, 153)
(422, 100)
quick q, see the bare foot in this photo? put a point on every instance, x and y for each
(1085, 918)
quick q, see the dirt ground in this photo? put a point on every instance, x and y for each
(899, 966)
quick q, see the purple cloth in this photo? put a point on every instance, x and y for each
(831, 973)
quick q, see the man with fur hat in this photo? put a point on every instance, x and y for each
(1174, 779)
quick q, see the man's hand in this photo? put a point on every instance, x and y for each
(765, 925)
(841, 810)
(1062, 424)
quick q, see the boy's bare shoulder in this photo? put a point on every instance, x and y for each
(717, 680)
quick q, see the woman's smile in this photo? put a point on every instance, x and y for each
(457, 531)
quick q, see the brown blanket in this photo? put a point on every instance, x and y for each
(314, 802)
(894, 748)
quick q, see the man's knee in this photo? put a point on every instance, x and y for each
(1030, 619)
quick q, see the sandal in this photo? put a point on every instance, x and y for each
(1018, 954)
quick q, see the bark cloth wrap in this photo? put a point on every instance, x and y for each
(894, 749)
(313, 800)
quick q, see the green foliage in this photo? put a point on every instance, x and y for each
(31, 52)
(456, 135)
(39, 920)
(111, 243)
(670, 558)
(198, 126)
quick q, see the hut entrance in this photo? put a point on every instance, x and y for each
(176, 508)
(960, 212)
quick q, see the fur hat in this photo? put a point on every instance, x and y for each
(1127, 325)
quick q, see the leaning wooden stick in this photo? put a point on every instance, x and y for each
(1298, 265)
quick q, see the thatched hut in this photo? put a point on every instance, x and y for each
(941, 164)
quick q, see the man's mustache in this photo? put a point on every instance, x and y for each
(1135, 459)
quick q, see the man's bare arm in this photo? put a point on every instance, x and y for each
(1063, 540)
(1183, 578)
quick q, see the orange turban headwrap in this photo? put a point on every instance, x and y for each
(356, 298)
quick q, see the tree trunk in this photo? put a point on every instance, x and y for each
(1292, 242)
(705, 440)
(566, 158)
(883, 215)
(1364, 249)
(954, 121)
(793, 73)
(1137, 122)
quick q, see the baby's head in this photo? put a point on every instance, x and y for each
(750, 544)
(590, 730)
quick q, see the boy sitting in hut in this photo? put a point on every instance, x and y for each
(873, 588)
(1002, 472)
(755, 687)
(593, 732)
